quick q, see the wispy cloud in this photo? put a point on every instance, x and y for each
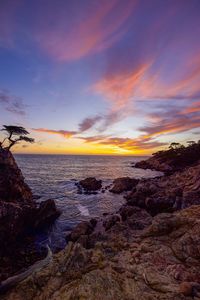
(11, 103)
(64, 133)
(173, 122)
(88, 123)
(98, 27)
(125, 143)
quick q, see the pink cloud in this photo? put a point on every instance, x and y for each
(100, 26)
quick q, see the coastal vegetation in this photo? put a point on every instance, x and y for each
(15, 134)
(180, 155)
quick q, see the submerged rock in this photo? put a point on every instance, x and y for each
(91, 184)
(123, 184)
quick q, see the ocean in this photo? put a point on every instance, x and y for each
(55, 177)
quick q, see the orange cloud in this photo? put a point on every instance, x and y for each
(65, 133)
(137, 144)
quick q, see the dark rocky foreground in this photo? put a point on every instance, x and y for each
(20, 218)
(148, 250)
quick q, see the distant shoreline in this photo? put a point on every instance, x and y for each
(98, 155)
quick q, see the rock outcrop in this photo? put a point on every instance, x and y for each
(156, 164)
(45, 214)
(16, 203)
(176, 158)
(123, 184)
(19, 214)
(159, 260)
(167, 193)
(90, 184)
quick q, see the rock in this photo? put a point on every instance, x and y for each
(141, 252)
(19, 216)
(12, 185)
(45, 214)
(91, 184)
(16, 203)
(167, 193)
(172, 160)
(123, 184)
(186, 289)
(126, 264)
(82, 229)
(111, 221)
(135, 217)
(154, 164)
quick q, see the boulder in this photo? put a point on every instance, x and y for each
(135, 217)
(123, 184)
(91, 184)
(82, 229)
(45, 214)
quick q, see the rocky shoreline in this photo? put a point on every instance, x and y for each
(149, 249)
(20, 218)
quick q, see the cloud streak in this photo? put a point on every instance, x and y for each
(97, 27)
(64, 133)
(12, 103)
(88, 123)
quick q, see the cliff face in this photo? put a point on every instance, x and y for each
(12, 185)
(16, 203)
(19, 214)
(129, 255)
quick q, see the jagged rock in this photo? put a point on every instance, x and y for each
(111, 221)
(161, 262)
(18, 214)
(82, 229)
(16, 203)
(138, 253)
(167, 193)
(155, 164)
(12, 185)
(135, 217)
(123, 184)
(91, 184)
(45, 214)
(172, 160)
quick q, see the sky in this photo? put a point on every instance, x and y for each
(100, 76)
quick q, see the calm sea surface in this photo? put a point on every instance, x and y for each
(55, 177)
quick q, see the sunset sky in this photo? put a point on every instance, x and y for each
(100, 76)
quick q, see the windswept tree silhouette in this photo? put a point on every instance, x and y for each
(175, 146)
(15, 134)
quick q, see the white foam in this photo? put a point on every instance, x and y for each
(83, 210)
